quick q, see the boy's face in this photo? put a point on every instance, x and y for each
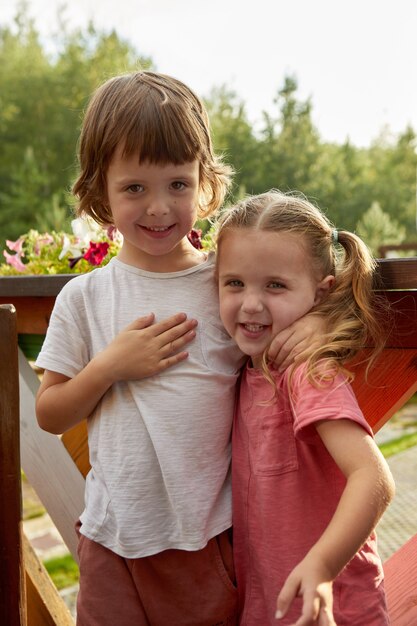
(154, 207)
(265, 283)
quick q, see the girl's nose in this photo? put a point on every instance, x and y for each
(252, 304)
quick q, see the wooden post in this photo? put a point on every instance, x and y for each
(12, 578)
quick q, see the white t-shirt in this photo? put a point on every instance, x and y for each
(159, 447)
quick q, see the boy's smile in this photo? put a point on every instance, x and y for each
(154, 206)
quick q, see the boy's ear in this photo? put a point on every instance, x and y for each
(323, 287)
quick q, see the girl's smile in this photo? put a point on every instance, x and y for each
(254, 331)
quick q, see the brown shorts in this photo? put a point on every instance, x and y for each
(171, 588)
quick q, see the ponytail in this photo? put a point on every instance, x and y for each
(352, 308)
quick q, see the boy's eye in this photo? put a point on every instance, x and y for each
(234, 283)
(178, 185)
(274, 284)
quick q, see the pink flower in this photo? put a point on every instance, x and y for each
(14, 260)
(43, 240)
(111, 232)
(96, 252)
(194, 236)
(16, 246)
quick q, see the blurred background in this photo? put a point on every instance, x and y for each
(319, 97)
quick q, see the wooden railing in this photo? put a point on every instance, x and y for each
(55, 467)
(384, 251)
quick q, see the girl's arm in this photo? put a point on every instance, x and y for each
(142, 349)
(297, 341)
(368, 491)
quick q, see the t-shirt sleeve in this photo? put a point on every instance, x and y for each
(334, 399)
(65, 349)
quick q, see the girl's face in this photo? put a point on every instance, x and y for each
(266, 282)
(154, 207)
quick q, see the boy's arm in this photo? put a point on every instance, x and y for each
(142, 349)
(297, 341)
(368, 491)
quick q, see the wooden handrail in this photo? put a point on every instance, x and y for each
(396, 273)
(391, 274)
(33, 286)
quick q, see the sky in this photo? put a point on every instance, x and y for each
(352, 58)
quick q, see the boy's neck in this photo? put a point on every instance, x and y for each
(179, 259)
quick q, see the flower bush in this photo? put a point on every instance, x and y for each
(87, 247)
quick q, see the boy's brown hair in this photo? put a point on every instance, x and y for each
(156, 117)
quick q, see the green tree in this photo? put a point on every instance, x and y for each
(42, 98)
(393, 167)
(338, 183)
(290, 145)
(233, 137)
(26, 201)
(376, 228)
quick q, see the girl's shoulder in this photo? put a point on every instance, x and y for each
(329, 396)
(324, 376)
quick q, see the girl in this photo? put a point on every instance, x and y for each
(309, 483)
(154, 543)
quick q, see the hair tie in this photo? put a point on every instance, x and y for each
(335, 236)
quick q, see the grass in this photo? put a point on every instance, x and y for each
(398, 445)
(63, 570)
(32, 506)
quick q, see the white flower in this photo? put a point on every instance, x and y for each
(86, 230)
(72, 249)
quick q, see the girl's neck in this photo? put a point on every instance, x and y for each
(255, 362)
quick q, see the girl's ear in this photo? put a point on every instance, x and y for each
(323, 287)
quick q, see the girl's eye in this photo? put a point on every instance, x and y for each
(234, 283)
(276, 285)
(136, 188)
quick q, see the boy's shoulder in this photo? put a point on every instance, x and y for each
(87, 282)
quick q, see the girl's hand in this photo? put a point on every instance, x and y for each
(143, 348)
(312, 583)
(368, 490)
(297, 341)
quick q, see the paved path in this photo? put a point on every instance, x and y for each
(399, 521)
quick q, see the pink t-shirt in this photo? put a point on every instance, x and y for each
(286, 488)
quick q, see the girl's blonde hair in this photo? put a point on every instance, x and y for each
(351, 307)
(156, 117)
